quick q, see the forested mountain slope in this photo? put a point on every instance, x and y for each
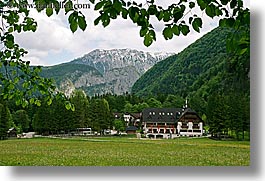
(201, 69)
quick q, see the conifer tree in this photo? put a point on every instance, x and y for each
(5, 121)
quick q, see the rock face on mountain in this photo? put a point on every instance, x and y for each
(104, 71)
(106, 60)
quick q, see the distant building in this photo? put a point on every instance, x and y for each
(171, 122)
(132, 119)
(131, 130)
(84, 131)
(12, 132)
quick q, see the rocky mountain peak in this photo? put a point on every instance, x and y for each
(105, 60)
(104, 71)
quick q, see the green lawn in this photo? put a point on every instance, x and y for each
(124, 152)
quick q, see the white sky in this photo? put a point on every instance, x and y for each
(54, 43)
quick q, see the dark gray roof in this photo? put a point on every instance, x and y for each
(135, 115)
(131, 128)
(189, 113)
(163, 115)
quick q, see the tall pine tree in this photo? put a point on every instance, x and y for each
(5, 121)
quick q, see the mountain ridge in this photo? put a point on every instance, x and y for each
(201, 69)
(104, 71)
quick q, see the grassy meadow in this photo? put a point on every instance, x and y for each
(123, 152)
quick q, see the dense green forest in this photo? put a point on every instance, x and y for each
(202, 68)
(95, 112)
(215, 82)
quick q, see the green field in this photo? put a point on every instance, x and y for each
(123, 152)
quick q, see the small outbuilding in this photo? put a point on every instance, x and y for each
(131, 130)
(12, 132)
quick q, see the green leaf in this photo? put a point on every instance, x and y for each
(99, 5)
(72, 107)
(73, 21)
(49, 102)
(18, 28)
(233, 4)
(18, 102)
(40, 5)
(201, 4)
(152, 10)
(197, 24)
(175, 30)
(73, 26)
(143, 31)
(68, 6)
(191, 5)
(37, 102)
(148, 40)
(105, 20)
(152, 34)
(32, 100)
(9, 43)
(166, 16)
(167, 32)
(96, 22)
(160, 15)
(82, 22)
(117, 5)
(56, 4)
(210, 10)
(218, 12)
(68, 105)
(177, 15)
(185, 29)
(190, 20)
(224, 2)
(25, 103)
(49, 11)
(124, 13)
(10, 29)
